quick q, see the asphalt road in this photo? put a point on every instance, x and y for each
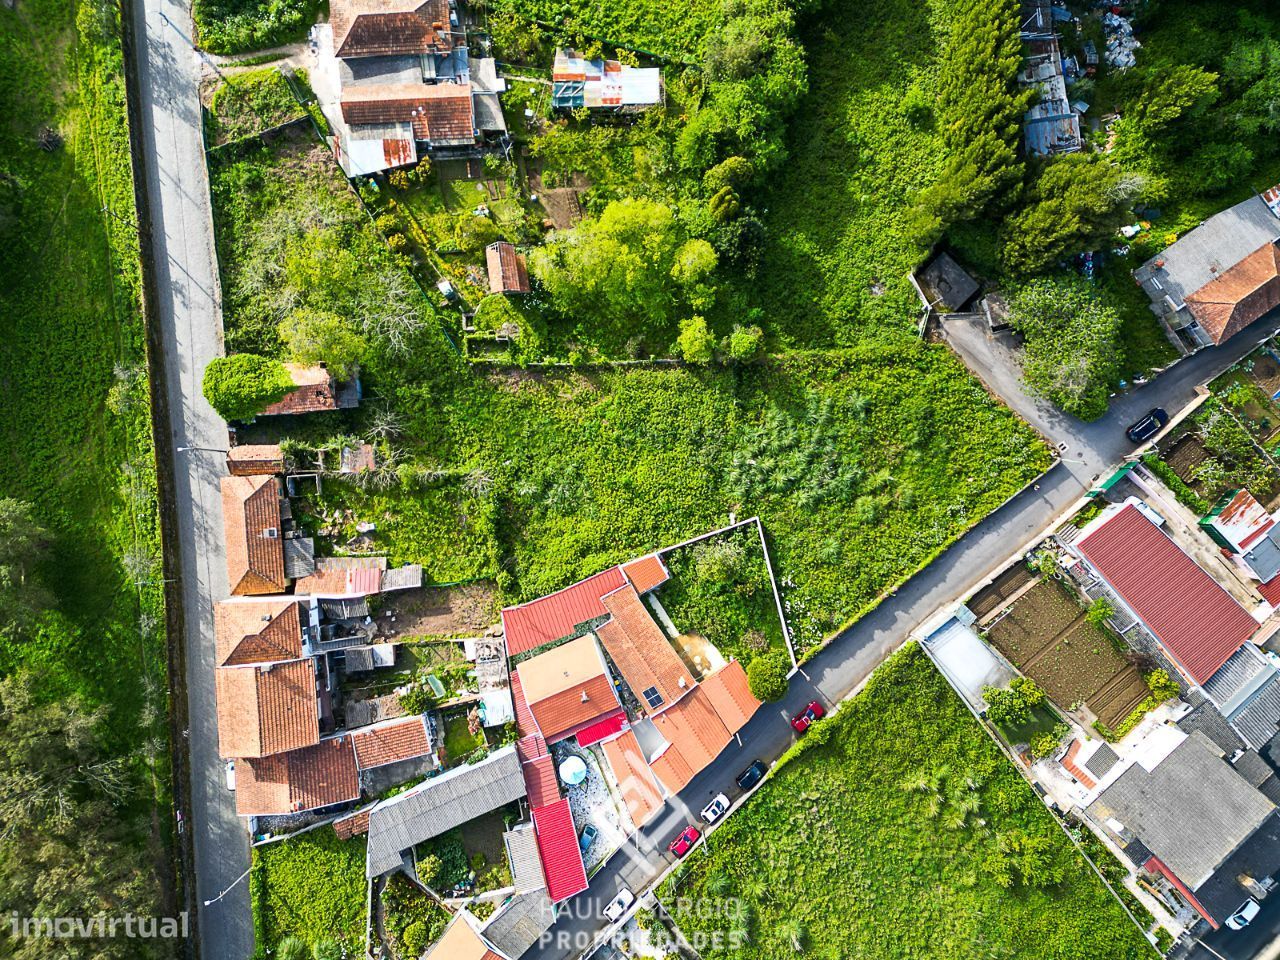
(182, 249)
(1259, 940)
(1092, 449)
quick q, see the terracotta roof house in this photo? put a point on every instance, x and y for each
(1220, 277)
(462, 941)
(1195, 820)
(368, 28)
(731, 695)
(1197, 623)
(442, 115)
(353, 824)
(640, 790)
(315, 391)
(258, 631)
(507, 272)
(559, 851)
(322, 775)
(391, 742)
(252, 520)
(560, 614)
(267, 709)
(254, 459)
(641, 651)
(695, 735)
(646, 573)
(363, 576)
(567, 688)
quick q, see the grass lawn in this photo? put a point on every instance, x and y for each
(311, 887)
(459, 741)
(884, 837)
(76, 427)
(1043, 719)
(864, 464)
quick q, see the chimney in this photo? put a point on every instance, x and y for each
(585, 698)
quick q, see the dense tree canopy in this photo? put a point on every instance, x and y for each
(22, 543)
(240, 386)
(318, 336)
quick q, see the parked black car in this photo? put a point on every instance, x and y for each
(749, 777)
(1148, 426)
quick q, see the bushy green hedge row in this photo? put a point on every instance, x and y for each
(238, 26)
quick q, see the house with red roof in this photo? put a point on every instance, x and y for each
(1197, 623)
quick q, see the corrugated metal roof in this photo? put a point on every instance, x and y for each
(522, 853)
(1258, 720)
(1193, 617)
(558, 848)
(540, 782)
(559, 614)
(440, 804)
(601, 729)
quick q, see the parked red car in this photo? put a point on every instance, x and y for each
(814, 711)
(684, 843)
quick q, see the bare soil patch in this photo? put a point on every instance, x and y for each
(464, 610)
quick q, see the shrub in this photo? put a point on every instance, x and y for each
(292, 948)
(744, 343)
(1047, 743)
(476, 233)
(239, 387)
(1100, 611)
(1162, 686)
(1013, 706)
(696, 343)
(414, 939)
(767, 676)
(328, 950)
(318, 336)
(734, 173)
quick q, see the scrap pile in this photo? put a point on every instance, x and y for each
(1121, 43)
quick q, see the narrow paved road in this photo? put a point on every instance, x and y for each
(188, 310)
(1092, 449)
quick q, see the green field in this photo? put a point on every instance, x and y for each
(76, 432)
(311, 887)
(897, 830)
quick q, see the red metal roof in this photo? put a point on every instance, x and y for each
(1156, 865)
(526, 726)
(1193, 617)
(557, 614)
(559, 851)
(531, 747)
(540, 782)
(1271, 591)
(602, 729)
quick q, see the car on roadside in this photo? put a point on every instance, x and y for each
(587, 837)
(749, 777)
(684, 843)
(1245, 915)
(714, 810)
(1148, 426)
(231, 774)
(804, 719)
(618, 905)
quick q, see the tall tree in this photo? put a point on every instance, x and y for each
(23, 542)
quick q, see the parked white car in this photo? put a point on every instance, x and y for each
(1244, 916)
(231, 774)
(714, 810)
(618, 906)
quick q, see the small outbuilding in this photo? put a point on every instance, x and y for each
(946, 284)
(507, 272)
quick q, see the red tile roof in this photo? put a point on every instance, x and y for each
(696, 735)
(731, 696)
(567, 687)
(646, 573)
(315, 392)
(559, 851)
(639, 789)
(525, 724)
(540, 781)
(352, 825)
(363, 28)
(257, 631)
(531, 747)
(254, 459)
(641, 651)
(556, 615)
(601, 729)
(507, 272)
(442, 113)
(563, 714)
(392, 742)
(1070, 765)
(251, 527)
(307, 779)
(266, 710)
(1240, 295)
(1194, 618)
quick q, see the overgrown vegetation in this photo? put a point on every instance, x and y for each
(311, 887)
(412, 919)
(919, 837)
(248, 103)
(236, 26)
(86, 809)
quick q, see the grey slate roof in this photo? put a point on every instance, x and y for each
(440, 804)
(364, 71)
(522, 854)
(1252, 767)
(1264, 556)
(1258, 720)
(518, 925)
(1192, 811)
(945, 281)
(1237, 679)
(299, 557)
(407, 577)
(1223, 894)
(1270, 788)
(1103, 759)
(1219, 243)
(1207, 719)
